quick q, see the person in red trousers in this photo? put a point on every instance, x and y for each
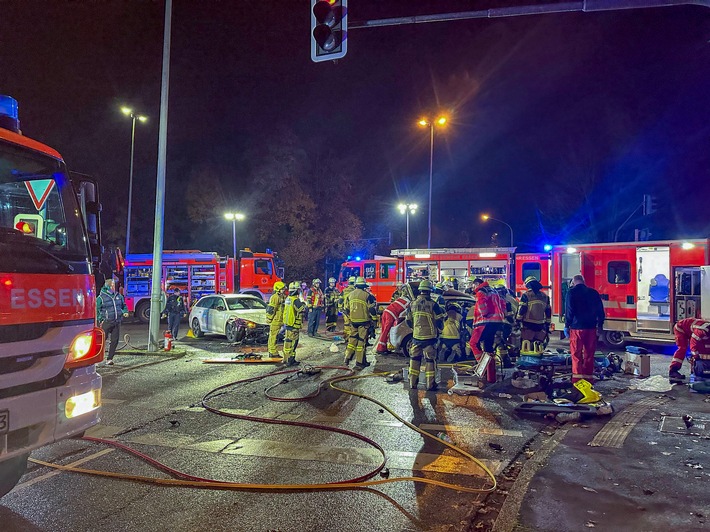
(584, 320)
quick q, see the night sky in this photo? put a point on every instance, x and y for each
(558, 123)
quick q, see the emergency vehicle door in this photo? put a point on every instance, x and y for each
(705, 292)
(570, 265)
(688, 292)
(653, 278)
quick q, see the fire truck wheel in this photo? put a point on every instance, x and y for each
(614, 338)
(11, 472)
(143, 311)
(196, 329)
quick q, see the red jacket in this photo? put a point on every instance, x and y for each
(490, 307)
(700, 338)
(397, 307)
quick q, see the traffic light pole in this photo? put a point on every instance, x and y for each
(156, 285)
(586, 6)
(616, 235)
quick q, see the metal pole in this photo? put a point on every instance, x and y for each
(156, 288)
(431, 179)
(130, 184)
(407, 227)
(234, 236)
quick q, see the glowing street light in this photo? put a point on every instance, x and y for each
(129, 112)
(486, 217)
(406, 209)
(233, 217)
(426, 122)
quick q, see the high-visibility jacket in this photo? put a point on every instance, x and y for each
(534, 308)
(452, 326)
(397, 308)
(293, 312)
(331, 296)
(315, 298)
(275, 308)
(490, 307)
(361, 306)
(342, 301)
(426, 318)
(700, 339)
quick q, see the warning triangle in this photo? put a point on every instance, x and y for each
(39, 191)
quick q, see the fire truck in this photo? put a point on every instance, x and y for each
(198, 273)
(49, 343)
(384, 273)
(645, 286)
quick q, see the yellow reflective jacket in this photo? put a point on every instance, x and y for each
(293, 312)
(452, 326)
(534, 308)
(275, 309)
(361, 306)
(426, 318)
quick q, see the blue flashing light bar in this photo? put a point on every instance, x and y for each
(547, 247)
(358, 258)
(9, 114)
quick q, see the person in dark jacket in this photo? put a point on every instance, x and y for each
(110, 311)
(175, 310)
(584, 317)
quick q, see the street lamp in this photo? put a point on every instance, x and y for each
(485, 218)
(406, 208)
(129, 112)
(425, 122)
(234, 216)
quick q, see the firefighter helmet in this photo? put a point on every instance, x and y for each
(439, 287)
(360, 281)
(452, 305)
(332, 280)
(279, 286)
(352, 279)
(529, 279)
(316, 281)
(294, 287)
(425, 286)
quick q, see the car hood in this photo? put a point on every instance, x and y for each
(257, 316)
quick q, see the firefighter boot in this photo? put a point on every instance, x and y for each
(292, 361)
(675, 377)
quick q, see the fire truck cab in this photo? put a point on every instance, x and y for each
(49, 343)
(645, 286)
(381, 273)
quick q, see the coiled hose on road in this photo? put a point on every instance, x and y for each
(186, 480)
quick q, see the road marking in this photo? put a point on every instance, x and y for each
(58, 472)
(615, 431)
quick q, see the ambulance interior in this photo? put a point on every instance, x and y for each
(653, 277)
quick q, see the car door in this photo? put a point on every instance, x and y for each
(218, 313)
(202, 312)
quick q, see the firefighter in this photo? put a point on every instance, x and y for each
(360, 308)
(692, 333)
(426, 318)
(316, 302)
(469, 285)
(293, 312)
(488, 319)
(450, 347)
(332, 294)
(533, 316)
(437, 294)
(391, 316)
(275, 316)
(342, 301)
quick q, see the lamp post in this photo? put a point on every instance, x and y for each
(406, 208)
(485, 218)
(425, 122)
(234, 216)
(129, 112)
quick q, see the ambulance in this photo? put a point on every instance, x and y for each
(49, 342)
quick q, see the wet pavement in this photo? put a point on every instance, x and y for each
(550, 479)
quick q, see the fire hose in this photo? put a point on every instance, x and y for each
(185, 480)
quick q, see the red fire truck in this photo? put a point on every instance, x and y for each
(384, 273)
(198, 273)
(645, 286)
(49, 342)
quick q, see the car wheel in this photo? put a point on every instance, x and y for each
(142, 312)
(231, 332)
(11, 472)
(615, 338)
(196, 329)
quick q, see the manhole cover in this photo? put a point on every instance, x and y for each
(676, 425)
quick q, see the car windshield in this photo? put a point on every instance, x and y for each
(245, 303)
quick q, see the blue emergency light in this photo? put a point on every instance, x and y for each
(358, 258)
(547, 247)
(9, 116)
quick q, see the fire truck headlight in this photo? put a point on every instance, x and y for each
(83, 403)
(86, 349)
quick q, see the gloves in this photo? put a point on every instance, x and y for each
(125, 314)
(566, 331)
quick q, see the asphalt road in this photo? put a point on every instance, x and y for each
(152, 404)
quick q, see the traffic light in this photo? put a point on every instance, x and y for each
(650, 204)
(329, 30)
